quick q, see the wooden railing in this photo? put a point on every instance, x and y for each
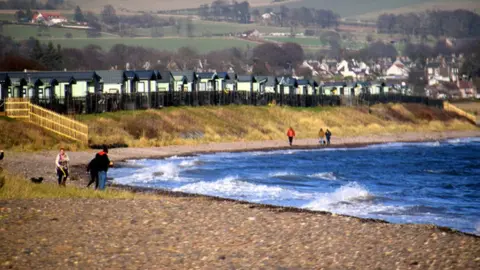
(54, 122)
(451, 108)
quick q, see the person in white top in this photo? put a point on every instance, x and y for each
(62, 161)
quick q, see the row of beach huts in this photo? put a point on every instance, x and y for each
(62, 84)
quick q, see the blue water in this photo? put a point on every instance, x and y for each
(433, 182)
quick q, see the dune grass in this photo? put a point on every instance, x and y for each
(15, 187)
(199, 125)
(190, 125)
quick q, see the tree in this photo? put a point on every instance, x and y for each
(79, 15)
(20, 15)
(294, 53)
(109, 15)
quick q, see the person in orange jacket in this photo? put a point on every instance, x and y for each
(290, 135)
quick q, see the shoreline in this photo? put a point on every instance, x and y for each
(19, 163)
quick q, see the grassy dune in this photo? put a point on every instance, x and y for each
(15, 187)
(175, 126)
(190, 125)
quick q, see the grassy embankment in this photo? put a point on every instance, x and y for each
(15, 187)
(190, 125)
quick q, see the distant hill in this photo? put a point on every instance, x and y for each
(346, 8)
(372, 8)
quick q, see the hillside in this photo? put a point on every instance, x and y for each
(346, 8)
(190, 125)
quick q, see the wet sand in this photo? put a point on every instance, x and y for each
(198, 232)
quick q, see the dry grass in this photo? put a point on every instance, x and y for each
(471, 107)
(20, 136)
(15, 187)
(188, 125)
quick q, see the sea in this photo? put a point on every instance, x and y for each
(425, 183)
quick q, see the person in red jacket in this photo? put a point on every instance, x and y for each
(290, 135)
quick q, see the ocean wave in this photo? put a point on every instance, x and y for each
(324, 175)
(463, 140)
(347, 193)
(235, 187)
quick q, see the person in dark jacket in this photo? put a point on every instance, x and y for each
(92, 168)
(1, 154)
(328, 134)
(102, 163)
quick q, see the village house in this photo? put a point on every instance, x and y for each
(398, 70)
(49, 18)
(111, 81)
(164, 81)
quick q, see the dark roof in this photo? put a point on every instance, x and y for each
(334, 84)
(289, 81)
(164, 76)
(206, 75)
(146, 75)
(272, 81)
(303, 82)
(313, 83)
(130, 75)
(4, 77)
(223, 75)
(189, 75)
(232, 77)
(246, 78)
(263, 79)
(111, 76)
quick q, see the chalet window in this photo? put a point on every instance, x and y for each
(140, 87)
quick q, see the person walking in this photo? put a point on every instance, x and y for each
(102, 163)
(62, 161)
(328, 134)
(290, 135)
(321, 136)
(92, 168)
(1, 154)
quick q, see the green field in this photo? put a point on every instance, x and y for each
(300, 41)
(202, 45)
(22, 32)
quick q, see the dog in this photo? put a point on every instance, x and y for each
(36, 180)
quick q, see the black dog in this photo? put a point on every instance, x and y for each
(36, 180)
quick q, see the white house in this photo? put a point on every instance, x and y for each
(398, 69)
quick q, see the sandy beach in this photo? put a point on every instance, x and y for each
(198, 232)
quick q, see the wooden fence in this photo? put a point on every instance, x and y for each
(49, 120)
(451, 108)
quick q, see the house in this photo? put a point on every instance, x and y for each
(147, 81)
(111, 81)
(184, 81)
(332, 88)
(131, 81)
(259, 85)
(267, 84)
(303, 87)
(287, 85)
(49, 18)
(206, 81)
(231, 82)
(398, 70)
(467, 89)
(245, 83)
(221, 81)
(164, 81)
(253, 34)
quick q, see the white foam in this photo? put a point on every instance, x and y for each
(477, 228)
(189, 163)
(280, 174)
(324, 175)
(463, 140)
(233, 187)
